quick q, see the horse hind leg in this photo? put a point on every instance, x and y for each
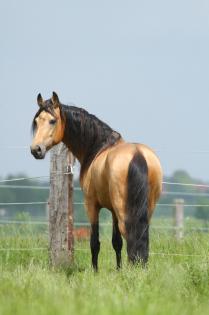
(117, 241)
(93, 214)
(95, 244)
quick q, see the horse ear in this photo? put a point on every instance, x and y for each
(40, 100)
(55, 99)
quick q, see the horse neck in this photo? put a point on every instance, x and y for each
(86, 135)
(68, 141)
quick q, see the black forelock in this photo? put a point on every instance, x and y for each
(47, 107)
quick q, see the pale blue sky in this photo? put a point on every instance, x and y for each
(141, 66)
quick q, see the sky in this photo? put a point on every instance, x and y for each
(140, 66)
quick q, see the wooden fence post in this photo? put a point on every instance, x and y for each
(61, 206)
(179, 218)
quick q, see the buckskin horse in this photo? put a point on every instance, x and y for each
(125, 178)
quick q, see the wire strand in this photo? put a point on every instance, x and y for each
(186, 184)
(23, 203)
(104, 224)
(22, 178)
(82, 203)
(70, 173)
(23, 249)
(32, 187)
(87, 250)
(35, 177)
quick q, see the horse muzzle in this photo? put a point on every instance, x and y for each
(38, 151)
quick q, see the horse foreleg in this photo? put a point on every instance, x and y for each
(117, 241)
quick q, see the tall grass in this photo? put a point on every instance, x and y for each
(171, 284)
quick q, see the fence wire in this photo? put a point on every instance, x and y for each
(68, 173)
(87, 225)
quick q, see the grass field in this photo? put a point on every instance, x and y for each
(170, 284)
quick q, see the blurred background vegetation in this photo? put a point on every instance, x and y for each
(19, 191)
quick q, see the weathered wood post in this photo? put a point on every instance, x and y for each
(179, 218)
(61, 206)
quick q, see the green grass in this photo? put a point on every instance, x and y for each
(169, 285)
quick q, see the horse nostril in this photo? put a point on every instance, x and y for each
(38, 149)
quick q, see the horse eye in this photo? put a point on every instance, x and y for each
(52, 121)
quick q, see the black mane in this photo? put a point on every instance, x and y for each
(86, 135)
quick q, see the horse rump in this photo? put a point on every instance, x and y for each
(137, 227)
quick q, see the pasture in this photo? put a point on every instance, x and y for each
(172, 284)
(143, 68)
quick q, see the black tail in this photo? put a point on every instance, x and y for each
(137, 227)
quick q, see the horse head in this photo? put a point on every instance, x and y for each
(48, 126)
